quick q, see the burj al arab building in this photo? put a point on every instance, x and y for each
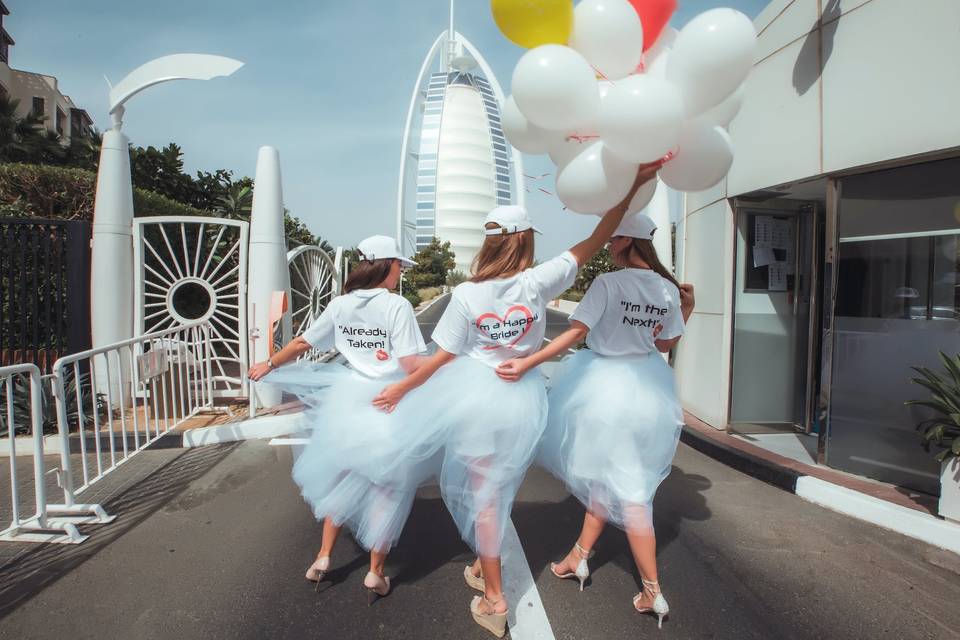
(455, 163)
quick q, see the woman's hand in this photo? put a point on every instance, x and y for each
(259, 370)
(687, 299)
(513, 369)
(390, 397)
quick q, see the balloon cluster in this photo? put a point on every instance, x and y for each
(607, 86)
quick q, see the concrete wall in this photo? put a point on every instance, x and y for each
(836, 85)
(839, 84)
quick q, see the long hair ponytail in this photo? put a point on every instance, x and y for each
(645, 250)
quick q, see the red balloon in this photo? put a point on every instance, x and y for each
(654, 16)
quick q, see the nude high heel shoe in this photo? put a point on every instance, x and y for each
(650, 600)
(318, 570)
(582, 571)
(495, 623)
(376, 586)
(473, 581)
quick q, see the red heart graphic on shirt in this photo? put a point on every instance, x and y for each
(492, 316)
(382, 355)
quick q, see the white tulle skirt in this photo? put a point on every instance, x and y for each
(362, 466)
(493, 428)
(612, 432)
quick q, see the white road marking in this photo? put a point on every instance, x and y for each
(526, 618)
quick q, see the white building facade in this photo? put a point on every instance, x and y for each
(40, 94)
(456, 164)
(827, 264)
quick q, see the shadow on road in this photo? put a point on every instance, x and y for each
(548, 530)
(33, 571)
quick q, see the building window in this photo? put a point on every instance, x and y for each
(39, 107)
(61, 122)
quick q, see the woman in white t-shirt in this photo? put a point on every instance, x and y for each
(362, 466)
(614, 415)
(494, 427)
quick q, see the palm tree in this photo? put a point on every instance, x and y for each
(21, 138)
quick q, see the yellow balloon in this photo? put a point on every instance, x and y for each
(531, 23)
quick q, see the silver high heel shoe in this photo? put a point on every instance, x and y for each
(375, 586)
(318, 570)
(650, 600)
(582, 571)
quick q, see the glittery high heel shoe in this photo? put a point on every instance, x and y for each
(582, 571)
(650, 600)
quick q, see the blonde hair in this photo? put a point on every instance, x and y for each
(503, 255)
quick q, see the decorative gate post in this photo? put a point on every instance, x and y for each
(268, 259)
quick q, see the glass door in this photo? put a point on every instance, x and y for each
(776, 271)
(897, 305)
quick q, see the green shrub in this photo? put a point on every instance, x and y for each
(573, 295)
(429, 293)
(456, 277)
(412, 296)
(66, 193)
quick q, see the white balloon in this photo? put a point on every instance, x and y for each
(641, 200)
(724, 113)
(657, 67)
(523, 134)
(711, 58)
(641, 118)
(595, 180)
(609, 35)
(567, 148)
(643, 197)
(703, 159)
(604, 87)
(662, 46)
(555, 88)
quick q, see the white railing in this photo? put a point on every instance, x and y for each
(38, 527)
(139, 390)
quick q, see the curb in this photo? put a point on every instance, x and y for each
(816, 487)
(754, 466)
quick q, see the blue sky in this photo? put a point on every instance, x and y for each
(327, 83)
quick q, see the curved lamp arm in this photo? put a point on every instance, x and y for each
(180, 66)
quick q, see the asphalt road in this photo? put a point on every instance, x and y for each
(215, 544)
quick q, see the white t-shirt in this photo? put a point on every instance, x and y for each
(496, 320)
(372, 328)
(623, 308)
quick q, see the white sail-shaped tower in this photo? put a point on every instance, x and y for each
(455, 164)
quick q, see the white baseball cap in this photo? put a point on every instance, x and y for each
(381, 248)
(512, 218)
(636, 226)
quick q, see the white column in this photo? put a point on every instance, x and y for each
(267, 259)
(111, 271)
(659, 212)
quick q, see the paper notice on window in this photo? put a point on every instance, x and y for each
(781, 234)
(777, 277)
(762, 256)
(791, 260)
(762, 231)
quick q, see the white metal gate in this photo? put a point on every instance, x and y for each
(314, 282)
(191, 269)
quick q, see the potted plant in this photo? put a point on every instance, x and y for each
(943, 429)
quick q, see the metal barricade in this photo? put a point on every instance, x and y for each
(23, 403)
(120, 399)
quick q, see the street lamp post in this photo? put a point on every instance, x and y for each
(112, 268)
